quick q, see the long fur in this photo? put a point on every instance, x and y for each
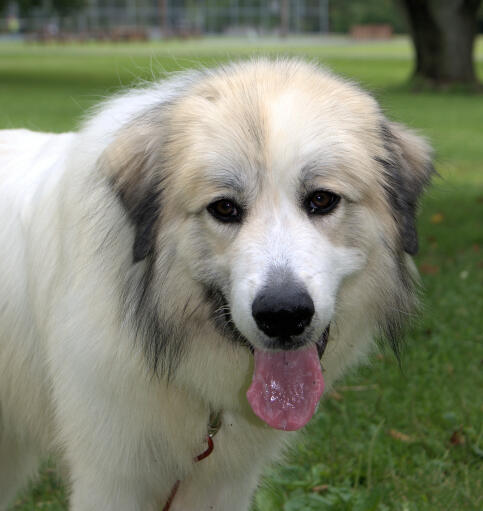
(125, 308)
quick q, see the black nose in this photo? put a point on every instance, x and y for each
(283, 310)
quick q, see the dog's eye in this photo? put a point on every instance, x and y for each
(321, 202)
(225, 210)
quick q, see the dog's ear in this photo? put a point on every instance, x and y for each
(132, 163)
(408, 168)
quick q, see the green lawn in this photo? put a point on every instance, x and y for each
(387, 439)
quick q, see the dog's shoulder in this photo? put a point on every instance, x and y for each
(29, 158)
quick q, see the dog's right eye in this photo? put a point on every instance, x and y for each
(225, 210)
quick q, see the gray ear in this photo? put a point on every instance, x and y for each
(408, 169)
(132, 163)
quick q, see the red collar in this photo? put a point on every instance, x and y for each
(214, 425)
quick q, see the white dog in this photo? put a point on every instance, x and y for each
(182, 258)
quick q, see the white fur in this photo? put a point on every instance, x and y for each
(74, 380)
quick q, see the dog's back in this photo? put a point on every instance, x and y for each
(28, 169)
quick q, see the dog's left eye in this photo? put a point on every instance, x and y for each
(321, 202)
(225, 210)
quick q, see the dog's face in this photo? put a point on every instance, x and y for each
(270, 200)
(289, 199)
(277, 175)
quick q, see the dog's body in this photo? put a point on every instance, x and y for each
(138, 257)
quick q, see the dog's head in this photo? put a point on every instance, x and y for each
(285, 195)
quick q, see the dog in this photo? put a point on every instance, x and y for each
(206, 255)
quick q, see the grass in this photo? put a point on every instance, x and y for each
(386, 439)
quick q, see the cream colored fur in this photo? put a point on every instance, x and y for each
(76, 378)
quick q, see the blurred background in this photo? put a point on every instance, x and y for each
(134, 19)
(390, 436)
(82, 20)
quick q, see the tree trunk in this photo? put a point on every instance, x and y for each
(443, 33)
(284, 17)
(164, 18)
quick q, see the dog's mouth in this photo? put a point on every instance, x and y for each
(322, 342)
(287, 383)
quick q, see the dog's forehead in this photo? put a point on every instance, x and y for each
(281, 121)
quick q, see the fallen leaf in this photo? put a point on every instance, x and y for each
(335, 395)
(437, 218)
(457, 438)
(402, 437)
(429, 269)
(320, 488)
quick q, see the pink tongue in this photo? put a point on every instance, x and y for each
(286, 387)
